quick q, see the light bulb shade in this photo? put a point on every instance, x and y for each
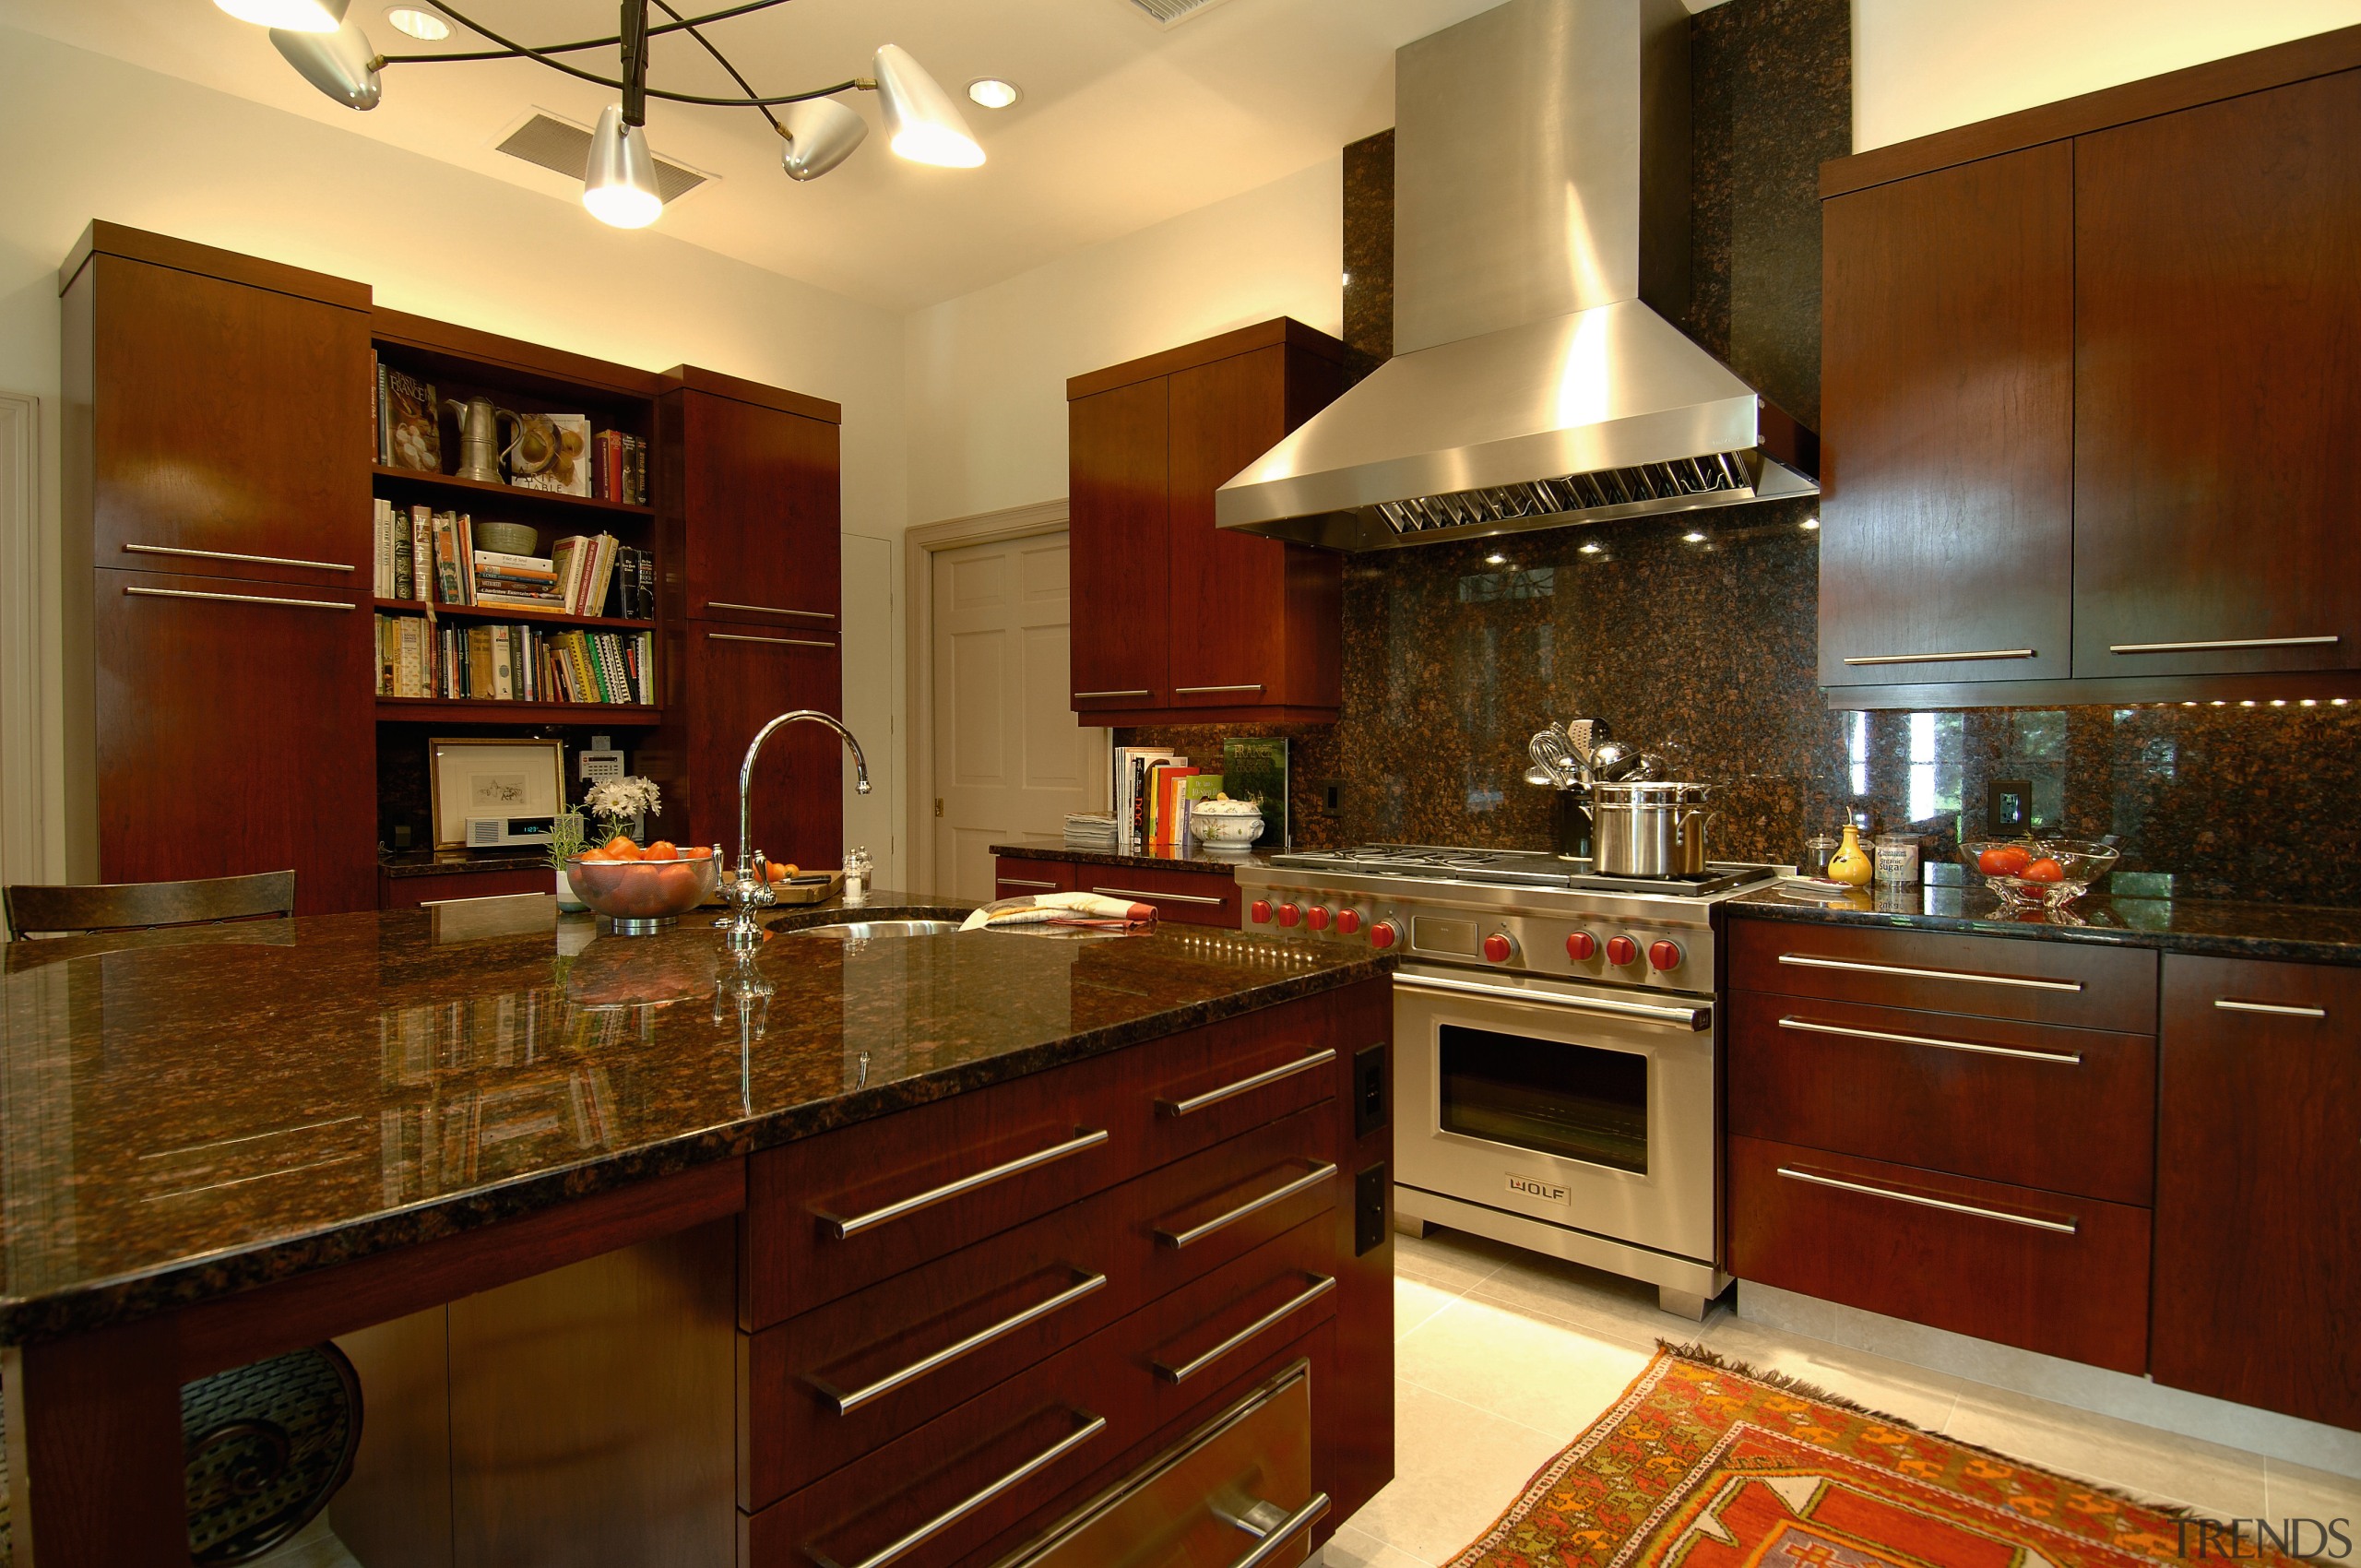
(821, 134)
(922, 122)
(619, 186)
(294, 15)
(341, 64)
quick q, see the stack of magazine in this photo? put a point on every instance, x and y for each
(1091, 830)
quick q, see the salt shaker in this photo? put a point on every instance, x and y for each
(857, 870)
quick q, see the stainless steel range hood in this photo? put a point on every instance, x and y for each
(1541, 191)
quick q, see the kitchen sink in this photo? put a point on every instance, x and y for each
(861, 931)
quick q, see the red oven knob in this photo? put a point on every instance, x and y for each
(1581, 945)
(1664, 955)
(1348, 921)
(1622, 950)
(1384, 934)
(1316, 917)
(1290, 915)
(1261, 912)
(1498, 947)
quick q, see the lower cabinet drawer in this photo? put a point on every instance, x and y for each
(2067, 1110)
(825, 1388)
(1025, 878)
(1990, 977)
(1241, 1484)
(2064, 1276)
(1185, 898)
(936, 1495)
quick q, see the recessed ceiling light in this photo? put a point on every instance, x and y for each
(993, 93)
(418, 23)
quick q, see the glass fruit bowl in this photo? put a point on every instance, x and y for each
(2038, 873)
(643, 895)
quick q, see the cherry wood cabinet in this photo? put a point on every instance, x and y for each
(732, 678)
(2257, 1294)
(1947, 365)
(749, 487)
(2217, 403)
(1184, 894)
(1174, 619)
(2086, 382)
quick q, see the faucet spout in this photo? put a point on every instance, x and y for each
(749, 879)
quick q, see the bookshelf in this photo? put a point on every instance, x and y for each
(386, 481)
(581, 715)
(494, 612)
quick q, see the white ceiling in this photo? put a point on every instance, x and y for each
(1123, 124)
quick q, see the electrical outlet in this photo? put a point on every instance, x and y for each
(1370, 1110)
(1332, 796)
(2008, 807)
(1370, 1189)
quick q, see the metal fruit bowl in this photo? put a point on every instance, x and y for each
(643, 896)
(2077, 864)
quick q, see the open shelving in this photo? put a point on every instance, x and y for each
(498, 612)
(461, 489)
(463, 710)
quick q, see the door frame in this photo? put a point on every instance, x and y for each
(23, 740)
(918, 566)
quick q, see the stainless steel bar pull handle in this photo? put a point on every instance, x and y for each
(1320, 1285)
(1198, 1102)
(1286, 1530)
(781, 642)
(2276, 1009)
(769, 610)
(1092, 1426)
(1186, 691)
(2063, 1227)
(842, 1228)
(1024, 882)
(1079, 695)
(1962, 657)
(233, 555)
(1694, 1019)
(1197, 1234)
(847, 1402)
(1153, 898)
(1806, 961)
(2221, 642)
(240, 598)
(2062, 1058)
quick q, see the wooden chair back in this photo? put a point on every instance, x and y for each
(135, 906)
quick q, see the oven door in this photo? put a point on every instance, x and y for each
(1581, 1104)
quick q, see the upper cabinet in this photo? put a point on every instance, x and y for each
(1947, 365)
(2217, 422)
(218, 414)
(751, 499)
(1174, 620)
(2092, 397)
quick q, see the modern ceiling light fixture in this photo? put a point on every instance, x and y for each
(295, 16)
(419, 23)
(620, 185)
(992, 92)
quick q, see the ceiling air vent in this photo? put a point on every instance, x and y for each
(563, 147)
(1172, 13)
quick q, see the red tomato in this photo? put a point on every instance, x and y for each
(2044, 870)
(662, 849)
(621, 848)
(2009, 859)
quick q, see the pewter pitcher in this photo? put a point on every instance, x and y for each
(480, 436)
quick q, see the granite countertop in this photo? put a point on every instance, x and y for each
(1050, 848)
(445, 862)
(2291, 932)
(191, 1113)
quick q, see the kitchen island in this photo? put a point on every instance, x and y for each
(653, 1238)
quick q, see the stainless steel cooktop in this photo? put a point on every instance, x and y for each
(1518, 868)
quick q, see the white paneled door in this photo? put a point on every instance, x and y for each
(1010, 762)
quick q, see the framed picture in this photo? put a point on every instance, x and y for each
(491, 776)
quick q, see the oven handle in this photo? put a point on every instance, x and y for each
(1695, 1019)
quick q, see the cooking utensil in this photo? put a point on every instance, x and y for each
(1550, 750)
(1541, 776)
(1649, 828)
(1611, 762)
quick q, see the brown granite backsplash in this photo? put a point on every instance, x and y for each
(1704, 647)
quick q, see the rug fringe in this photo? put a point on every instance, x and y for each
(1705, 1356)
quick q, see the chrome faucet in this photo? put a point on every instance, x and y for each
(749, 888)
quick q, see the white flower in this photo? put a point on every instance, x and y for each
(627, 796)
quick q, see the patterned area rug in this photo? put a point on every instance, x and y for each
(1701, 1464)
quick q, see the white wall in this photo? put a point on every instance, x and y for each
(89, 137)
(1925, 65)
(986, 373)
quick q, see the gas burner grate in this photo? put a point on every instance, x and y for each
(1718, 877)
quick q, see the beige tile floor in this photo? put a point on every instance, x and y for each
(1501, 1358)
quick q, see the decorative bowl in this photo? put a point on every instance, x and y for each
(507, 539)
(643, 895)
(2031, 873)
(1233, 825)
